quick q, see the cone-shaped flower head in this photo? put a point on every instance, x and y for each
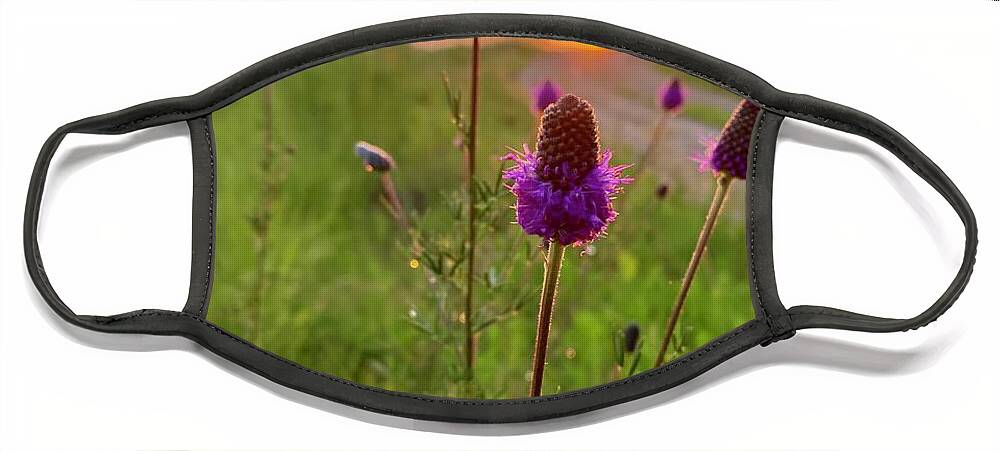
(631, 335)
(565, 187)
(728, 154)
(568, 142)
(672, 95)
(545, 94)
(374, 157)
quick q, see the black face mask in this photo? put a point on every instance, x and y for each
(486, 218)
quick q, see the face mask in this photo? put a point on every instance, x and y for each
(486, 218)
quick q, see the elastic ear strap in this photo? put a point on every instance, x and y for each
(856, 122)
(32, 209)
(136, 321)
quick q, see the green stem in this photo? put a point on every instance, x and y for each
(262, 218)
(551, 281)
(718, 199)
(470, 356)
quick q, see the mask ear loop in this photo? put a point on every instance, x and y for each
(148, 321)
(855, 122)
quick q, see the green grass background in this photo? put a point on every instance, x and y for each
(341, 297)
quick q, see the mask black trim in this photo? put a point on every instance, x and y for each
(760, 181)
(202, 216)
(773, 322)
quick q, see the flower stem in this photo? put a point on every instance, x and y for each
(718, 199)
(260, 222)
(617, 372)
(551, 281)
(395, 206)
(274, 171)
(470, 356)
(654, 141)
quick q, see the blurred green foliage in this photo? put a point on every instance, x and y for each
(342, 296)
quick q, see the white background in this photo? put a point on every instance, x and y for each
(852, 229)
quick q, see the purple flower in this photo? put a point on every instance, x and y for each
(671, 95)
(545, 94)
(564, 189)
(728, 154)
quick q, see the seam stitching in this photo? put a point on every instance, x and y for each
(826, 311)
(753, 226)
(211, 217)
(662, 370)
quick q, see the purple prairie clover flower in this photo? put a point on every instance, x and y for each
(727, 155)
(704, 158)
(727, 158)
(672, 96)
(564, 188)
(545, 94)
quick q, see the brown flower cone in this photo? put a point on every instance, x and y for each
(568, 134)
(730, 154)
